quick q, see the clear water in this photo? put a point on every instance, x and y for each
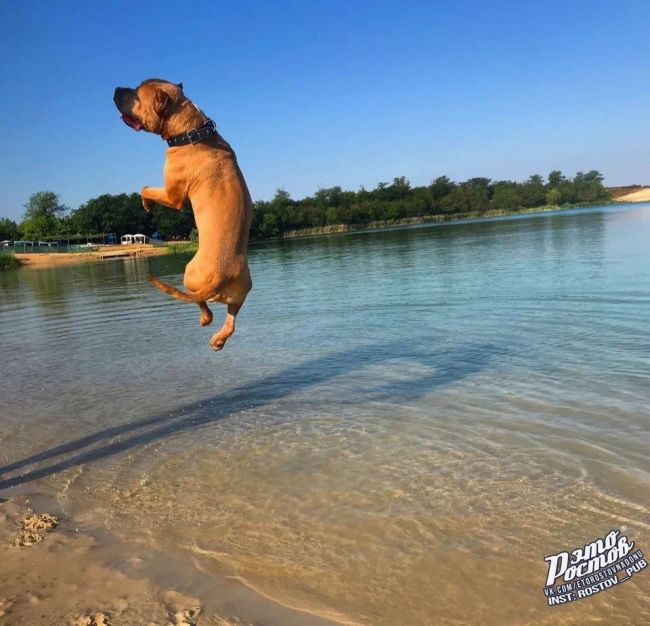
(404, 424)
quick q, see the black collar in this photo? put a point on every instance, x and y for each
(200, 133)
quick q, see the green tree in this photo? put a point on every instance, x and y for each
(553, 197)
(269, 227)
(282, 198)
(589, 187)
(44, 204)
(259, 208)
(465, 199)
(172, 224)
(38, 227)
(9, 230)
(533, 191)
(43, 211)
(482, 188)
(65, 225)
(420, 202)
(282, 216)
(361, 214)
(121, 214)
(332, 197)
(506, 196)
(89, 217)
(556, 178)
(399, 190)
(335, 215)
(441, 187)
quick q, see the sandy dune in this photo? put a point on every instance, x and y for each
(641, 195)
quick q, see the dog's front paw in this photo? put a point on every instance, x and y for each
(147, 203)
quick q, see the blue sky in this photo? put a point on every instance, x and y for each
(314, 94)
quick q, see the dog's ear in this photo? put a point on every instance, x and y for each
(180, 86)
(161, 102)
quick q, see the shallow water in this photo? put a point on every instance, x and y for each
(404, 424)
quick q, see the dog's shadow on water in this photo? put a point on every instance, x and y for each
(441, 368)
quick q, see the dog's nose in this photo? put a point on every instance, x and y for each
(118, 94)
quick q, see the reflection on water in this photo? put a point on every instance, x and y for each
(405, 423)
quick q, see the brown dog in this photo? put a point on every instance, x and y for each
(200, 166)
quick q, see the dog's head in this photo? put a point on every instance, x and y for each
(150, 105)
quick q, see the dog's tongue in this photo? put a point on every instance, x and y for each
(132, 122)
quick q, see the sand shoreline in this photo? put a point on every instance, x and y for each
(643, 195)
(38, 260)
(634, 193)
(72, 576)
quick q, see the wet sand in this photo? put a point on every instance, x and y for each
(56, 572)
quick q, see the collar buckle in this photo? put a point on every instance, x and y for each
(194, 135)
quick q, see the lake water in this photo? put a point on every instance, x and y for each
(403, 426)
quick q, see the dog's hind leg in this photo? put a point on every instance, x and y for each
(219, 338)
(206, 314)
(237, 290)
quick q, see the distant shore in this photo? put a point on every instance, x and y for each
(37, 260)
(440, 218)
(410, 221)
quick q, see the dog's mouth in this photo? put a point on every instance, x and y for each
(132, 121)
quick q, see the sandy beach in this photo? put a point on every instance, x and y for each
(50, 259)
(51, 576)
(55, 572)
(643, 195)
(630, 194)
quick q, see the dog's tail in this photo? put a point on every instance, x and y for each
(209, 291)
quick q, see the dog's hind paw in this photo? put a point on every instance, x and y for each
(206, 314)
(205, 319)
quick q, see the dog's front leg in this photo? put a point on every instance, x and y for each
(162, 195)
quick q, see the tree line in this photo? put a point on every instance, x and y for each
(46, 217)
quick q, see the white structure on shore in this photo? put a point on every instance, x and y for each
(129, 239)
